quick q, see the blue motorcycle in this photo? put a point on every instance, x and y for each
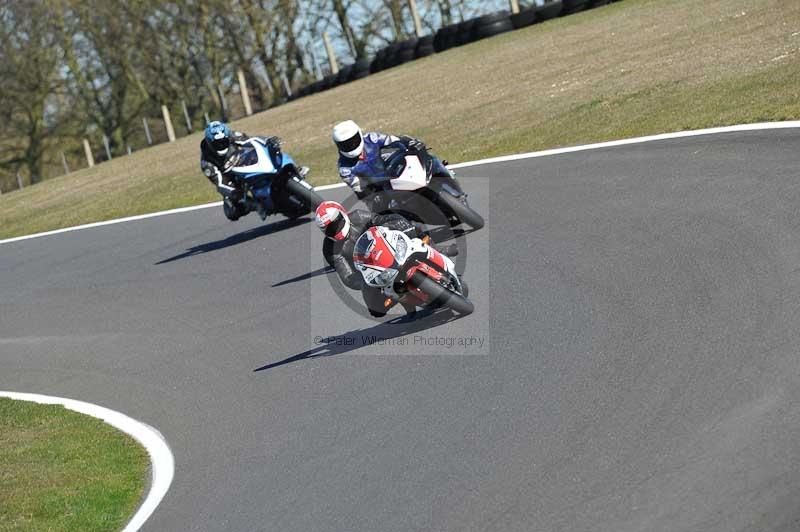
(271, 181)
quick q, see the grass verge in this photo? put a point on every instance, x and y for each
(60, 470)
(631, 68)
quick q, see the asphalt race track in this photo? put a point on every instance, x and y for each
(640, 312)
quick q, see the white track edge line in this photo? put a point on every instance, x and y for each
(530, 155)
(161, 458)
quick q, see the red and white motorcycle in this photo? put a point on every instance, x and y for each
(410, 272)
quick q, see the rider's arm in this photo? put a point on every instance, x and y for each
(350, 277)
(349, 176)
(213, 173)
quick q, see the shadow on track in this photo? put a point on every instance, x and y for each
(322, 271)
(350, 341)
(238, 238)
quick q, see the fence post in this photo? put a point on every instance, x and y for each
(514, 6)
(331, 55)
(88, 151)
(412, 5)
(64, 162)
(186, 116)
(168, 123)
(147, 132)
(205, 115)
(19, 181)
(286, 86)
(108, 148)
(248, 109)
(128, 146)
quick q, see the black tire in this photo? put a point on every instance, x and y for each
(462, 210)
(344, 75)
(524, 18)
(464, 32)
(448, 37)
(444, 38)
(310, 198)
(441, 295)
(360, 69)
(549, 11)
(329, 82)
(424, 47)
(495, 28)
(377, 61)
(390, 58)
(405, 52)
(573, 6)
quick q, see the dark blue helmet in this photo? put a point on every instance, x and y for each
(218, 134)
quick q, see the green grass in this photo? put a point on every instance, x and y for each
(632, 68)
(60, 470)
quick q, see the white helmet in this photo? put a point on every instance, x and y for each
(348, 138)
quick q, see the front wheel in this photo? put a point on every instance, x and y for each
(441, 296)
(305, 192)
(462, 210)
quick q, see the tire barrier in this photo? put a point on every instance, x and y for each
(361, 69)
(573, 6)
(549, 11)
(344, 75)
(377, 62)
(445, 38)
(491, 25)
(390, 59)
(406, 51)
(464, 32)
(424, 47)
(329, 81)
(524, 18)
(598, 3)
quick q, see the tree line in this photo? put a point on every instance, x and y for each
(73, 69)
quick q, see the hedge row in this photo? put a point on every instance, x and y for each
(448, 37)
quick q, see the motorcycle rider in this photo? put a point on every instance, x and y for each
(218, 144)
(360, 154)
(341, 230)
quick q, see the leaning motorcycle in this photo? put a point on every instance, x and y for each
(412, 172)
(271, 182)
(410, 272)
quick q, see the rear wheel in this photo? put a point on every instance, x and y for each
(441, 296)
(461, 209)
(310, 198)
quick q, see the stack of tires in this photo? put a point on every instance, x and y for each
(524, 18)
(361, 69)
(464, 32)
(378, 61)
(491, 25)
(549, 10)
(406, 51)
(445, 38)
(425, 47)
(573, 6)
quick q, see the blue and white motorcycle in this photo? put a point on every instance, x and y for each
(271, 181)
